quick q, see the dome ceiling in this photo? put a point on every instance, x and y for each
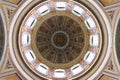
(59, 39)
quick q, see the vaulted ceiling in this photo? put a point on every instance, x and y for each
(110, 70)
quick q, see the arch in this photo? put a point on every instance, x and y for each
(116, 23)
(105, 53)
(4, 36)
(108, 25)
(10, 40)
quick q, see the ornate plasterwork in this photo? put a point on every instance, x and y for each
(7, 66)
(63, 33)
(107, 77)
(9, 11)
(111, 67)
(107, 41)
(111, 14)
(9, 8)
(108, 3)
(31, 31)
(110, 71)
(15, 2)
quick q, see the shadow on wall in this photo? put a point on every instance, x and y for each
(1, 37)
(118, 41)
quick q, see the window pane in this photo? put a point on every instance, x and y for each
(42, 68)
(90, 23)
(77, 10)
(60, 5)
(30, 55)
(77, 69)
(31, 22)
(59, 73)
(26, 39)
(94, 40)
(89, 57)
(43, 10)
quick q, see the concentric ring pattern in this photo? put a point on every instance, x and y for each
(60, 39)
